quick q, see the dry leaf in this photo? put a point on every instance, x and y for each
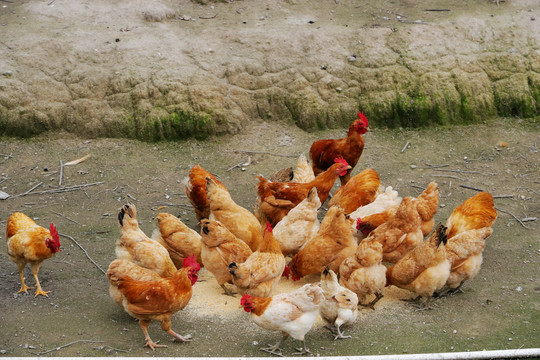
(75, 162)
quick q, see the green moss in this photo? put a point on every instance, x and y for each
(178, 125)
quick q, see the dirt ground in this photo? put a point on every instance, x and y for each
(499, 309)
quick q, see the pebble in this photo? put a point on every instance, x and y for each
(413, 166)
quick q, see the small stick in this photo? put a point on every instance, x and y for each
(503, 196)
(88, 256)
(529, 219)
(261, 152)
(6, 45)
(459, 171)
(110, 348)
(514, 216)
(178, 205)
(27, 192)
(4, 179)
(66, 189)
(449, 176)
(437, 10)
(208, 17)
(64, 346)
(436, 166)
(50, 3)
(65, 217)
(131, 197)
(405, 147)
(470, 187)
(61, 173)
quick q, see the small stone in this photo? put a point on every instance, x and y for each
(519, 289)
(454, 332)
(413, 166)
(255, 343)
(7, 73)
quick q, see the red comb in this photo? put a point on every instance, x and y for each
(191, 261)
(341, 160)
(362, 117)
(54, 233)
(268, 226)
(358, 222)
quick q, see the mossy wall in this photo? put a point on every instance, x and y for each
(459, 71)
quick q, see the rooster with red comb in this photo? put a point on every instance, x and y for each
(350, 148)
(27, 242)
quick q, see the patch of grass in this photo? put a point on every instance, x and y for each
(178, 125)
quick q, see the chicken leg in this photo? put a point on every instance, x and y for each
(144, 326)
(166, 326)
(339, 334)
(39, 290)
(24, 288)
(303, 350)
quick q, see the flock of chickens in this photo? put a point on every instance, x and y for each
(369, 238)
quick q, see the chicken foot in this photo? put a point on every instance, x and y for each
(184, 338)
(449, 291)
(144, 326)
(227, 292)
(340, 335)
(420, 302)
(39, 290)
(275, 349)
(371, 305)
(24, 287)
(303, 350)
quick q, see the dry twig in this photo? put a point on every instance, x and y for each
(84, 250)
(65, 189)
(514, 216)
(261, 152)
(61, 173)
(405, 147)
(470, 187)
(64, 346)
(65, 217)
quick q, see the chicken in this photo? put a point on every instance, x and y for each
(425, 269)
(469, 226)
(27, 242)
(283, 175)
(119, 267)
(277, 199)
(376, 213)
(299, 226)
(364, 272)
(428, 203)
(303, 172)
(360, 190)
(260, 273)
(196, 190)
(323, 152)
(242, 223)
(292, 313)
(401, 233)
(333, 243)
(151, 297)
(475, 213)
(135, 246)
(219, 248)
(340, 305)
(179, 240)
(405, 229)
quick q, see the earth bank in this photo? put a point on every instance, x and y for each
(178, 69)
